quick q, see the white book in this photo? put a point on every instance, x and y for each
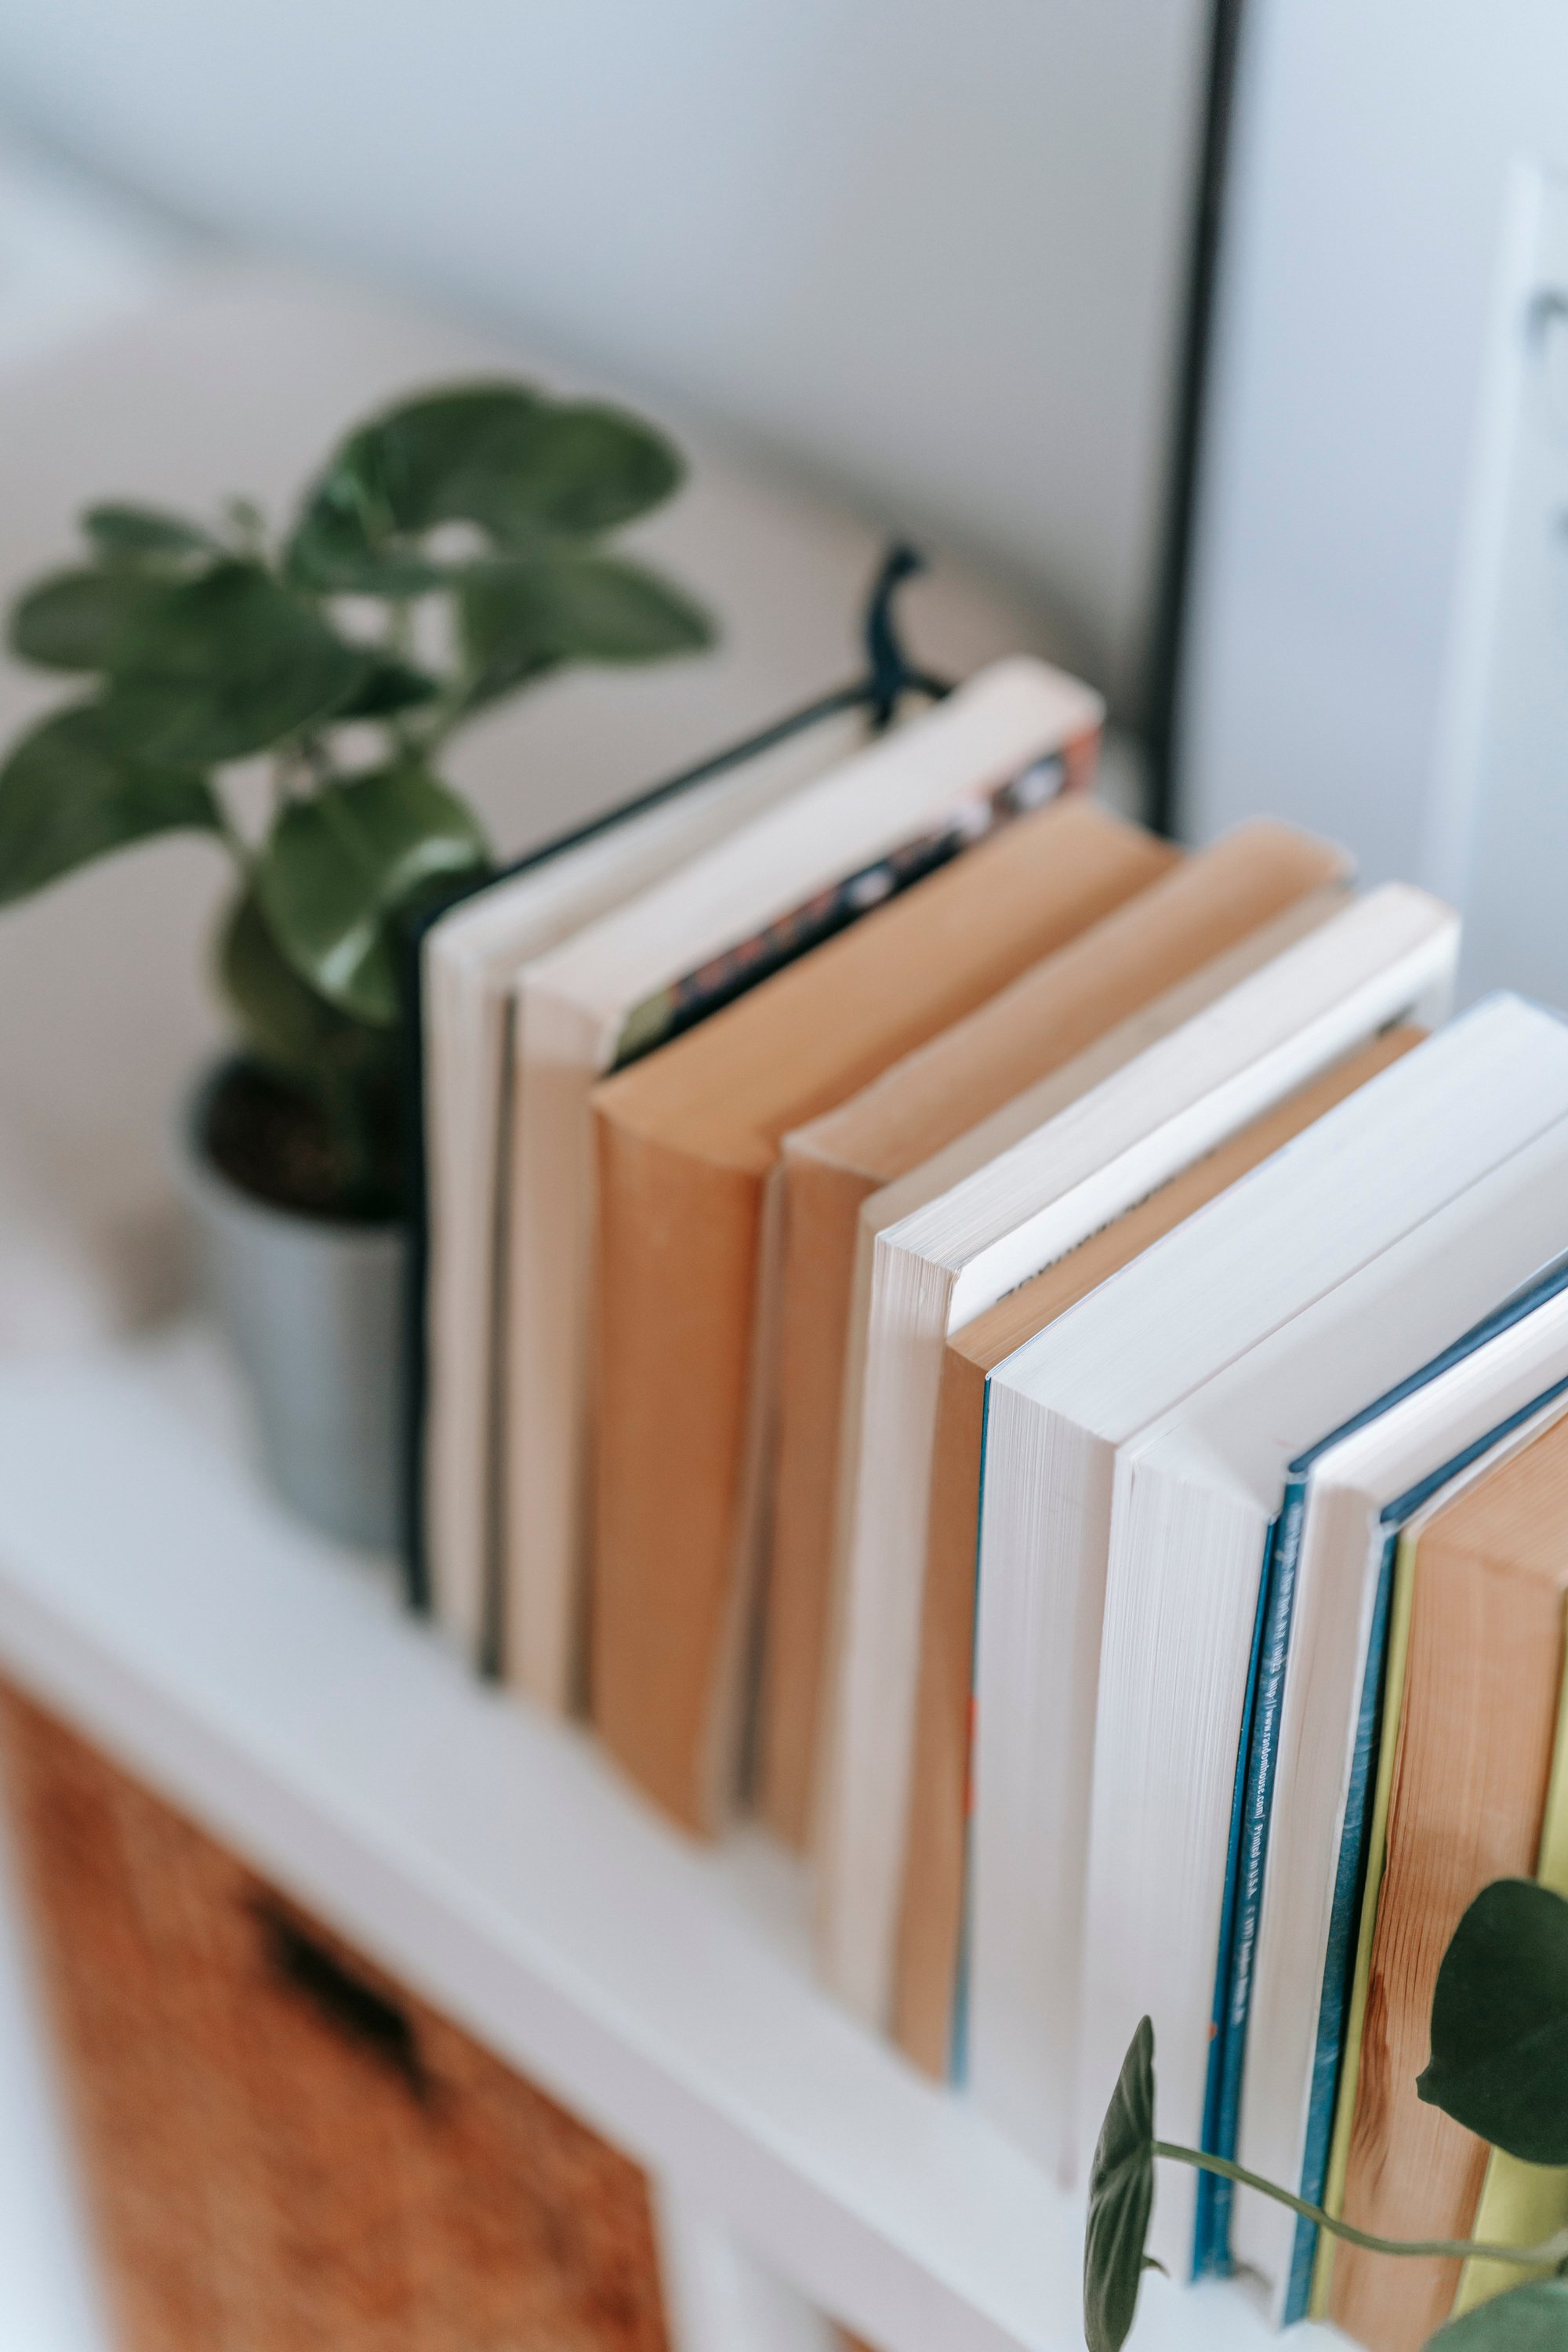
(472, 958)
(1285, 2260)
(935, 1269)
(1340, 1567)
(609, 989)
(840, 1777)
(1056, 1411)
(1194, 1496)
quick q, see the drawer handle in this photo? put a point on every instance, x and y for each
(360, 2012)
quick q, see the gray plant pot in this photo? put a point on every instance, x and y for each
(312, 1308)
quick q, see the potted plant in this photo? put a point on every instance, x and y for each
(1499, 2066)
(452, 551)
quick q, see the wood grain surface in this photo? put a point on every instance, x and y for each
(282, 2150)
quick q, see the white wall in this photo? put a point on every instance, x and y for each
(934, 249)
(1375, 146)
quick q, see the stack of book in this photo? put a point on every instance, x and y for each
(1033, 1362)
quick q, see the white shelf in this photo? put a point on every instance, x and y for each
(271, 1687)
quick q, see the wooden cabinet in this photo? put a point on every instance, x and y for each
(284, 2151)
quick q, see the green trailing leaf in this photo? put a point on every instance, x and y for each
(70, 793)
(286, 1023)
(1500, 2022)
(1120, 2200)
(1533, 2318)
(226, 665)
(522, 467)
(136, 534)
(340, 864)
(519, 619)
(82, 620)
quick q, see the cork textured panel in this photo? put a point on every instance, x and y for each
(285, 2152)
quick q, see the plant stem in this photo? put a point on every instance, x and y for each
(440, 717)
(1550, 2251)
(317, 759)
(233, 840)
(285, 776)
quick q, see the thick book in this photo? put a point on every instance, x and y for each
(1301, 1796)
(687, 1146)
(1195, 1497)
(471, 959)
(1056, 1414)
(1205, 906)
(1342, 2020)
(1483, 1674)
(636, 977)
(930, 1913)
(938, 1267)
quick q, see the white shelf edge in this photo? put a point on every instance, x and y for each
(717, 2299)
(50, 2299)
(273, 1690)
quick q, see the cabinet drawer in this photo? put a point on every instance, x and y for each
(283, 2150)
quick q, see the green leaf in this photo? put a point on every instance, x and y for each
(226, 665)
(524, 467)
(388, 685)
(1500, 2022)
(1533, 2318)
(82, 620)
(339, 865)
(134, 533)
(69, 792)
(286, 1023)
(517, 619)
(582, 468)
(344, 544)
(504, 634)
(1120, 2200)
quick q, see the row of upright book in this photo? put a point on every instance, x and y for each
(1036, 1363)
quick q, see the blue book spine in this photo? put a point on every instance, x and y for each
(1249, 1859)
(1345, 1917)
(1349, 1874)
(958, 2027)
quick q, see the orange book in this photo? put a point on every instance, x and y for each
(931, 1917)
(687, 1141)
(1483, 1678)
(1215, 903)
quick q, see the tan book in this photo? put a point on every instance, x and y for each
(653, 966)
(686, 1140)
(930, 1915)
(1047, 1019)
(1483, 1675)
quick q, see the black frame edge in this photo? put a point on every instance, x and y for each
(1162, 671)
